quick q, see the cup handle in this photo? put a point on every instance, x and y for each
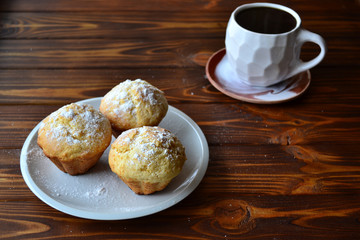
(302, 37)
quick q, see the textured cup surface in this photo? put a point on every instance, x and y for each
(262, 59)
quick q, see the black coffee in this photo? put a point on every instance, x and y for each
(265, 20)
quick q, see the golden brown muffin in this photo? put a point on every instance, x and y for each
(74, 137)
(147, 158)
(133, 104)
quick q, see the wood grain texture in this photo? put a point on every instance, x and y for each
(237, 217)
(284, 171)
(222, 124)
(112, 25)
(96, 53)
(170, 5)
(158, 25)
(60, 86)
(206, 215)
(277, 170)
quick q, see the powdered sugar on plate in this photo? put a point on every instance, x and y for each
(95, 189)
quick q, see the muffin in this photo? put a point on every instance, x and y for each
(133, 104)
(147, 158)
(74, 137)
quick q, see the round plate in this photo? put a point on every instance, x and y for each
(100, 194)
(223, 78)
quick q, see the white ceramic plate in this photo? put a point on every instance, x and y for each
(100, 194)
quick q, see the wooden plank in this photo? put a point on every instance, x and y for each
(62, 86)
(12, 185)
(181, 85)
(98, 53)
(222, 123)
(204, 217)
(259, 169)
(113, 25)
(282, 170)
(121, 53)
(170, 5)
(164, 25)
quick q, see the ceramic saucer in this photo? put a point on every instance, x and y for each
(223, 78)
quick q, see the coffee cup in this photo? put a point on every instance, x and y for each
(263, 44)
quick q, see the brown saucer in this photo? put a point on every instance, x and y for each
(226, 81)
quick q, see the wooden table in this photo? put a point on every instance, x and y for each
(283, 171)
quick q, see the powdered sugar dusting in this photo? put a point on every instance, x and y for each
(127, 106)
(96, 189)
(68, 114)
(128, 95)
(162, 142)
(75, 124)
(57, 132)
(148, 94)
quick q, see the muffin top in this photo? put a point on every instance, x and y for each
(134, 104)
(75, 130)
(149, 154)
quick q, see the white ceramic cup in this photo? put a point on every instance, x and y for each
(263, 59)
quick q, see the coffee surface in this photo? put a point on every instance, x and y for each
(265, 20)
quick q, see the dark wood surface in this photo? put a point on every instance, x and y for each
(285, 171)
